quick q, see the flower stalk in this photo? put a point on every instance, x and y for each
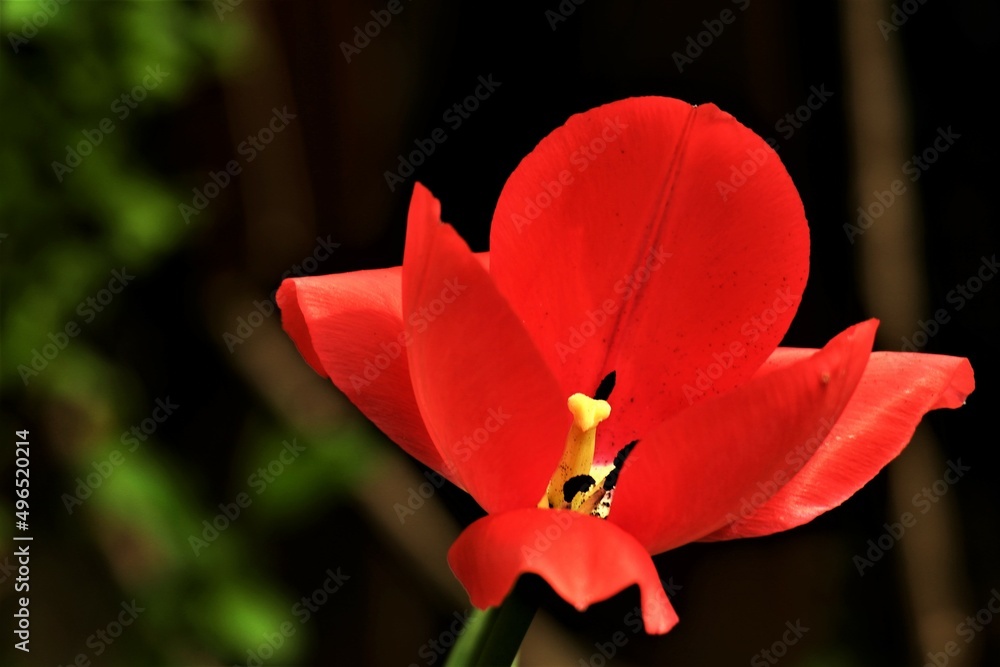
(494, 636)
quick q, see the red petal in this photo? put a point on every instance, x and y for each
(896, 390)
(690, 474)
(663, 181)
(349, 328)
(584, 559)
(489, 402)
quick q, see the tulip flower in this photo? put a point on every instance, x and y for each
(606, 382)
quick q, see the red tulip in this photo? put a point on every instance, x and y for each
(653, 253)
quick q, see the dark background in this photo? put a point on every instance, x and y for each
(172, 332)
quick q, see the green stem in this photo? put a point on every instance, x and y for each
(493, 637)
(470, 642)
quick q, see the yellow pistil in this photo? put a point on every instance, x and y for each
(578, 457)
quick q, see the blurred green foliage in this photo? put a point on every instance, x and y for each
(64, 88)
(81, 197)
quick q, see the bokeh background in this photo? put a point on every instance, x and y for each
(140, 103)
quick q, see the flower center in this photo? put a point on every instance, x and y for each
(574, 485)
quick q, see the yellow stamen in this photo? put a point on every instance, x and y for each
(587, 503)
(578, 457)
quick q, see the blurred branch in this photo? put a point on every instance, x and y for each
(895, 290)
